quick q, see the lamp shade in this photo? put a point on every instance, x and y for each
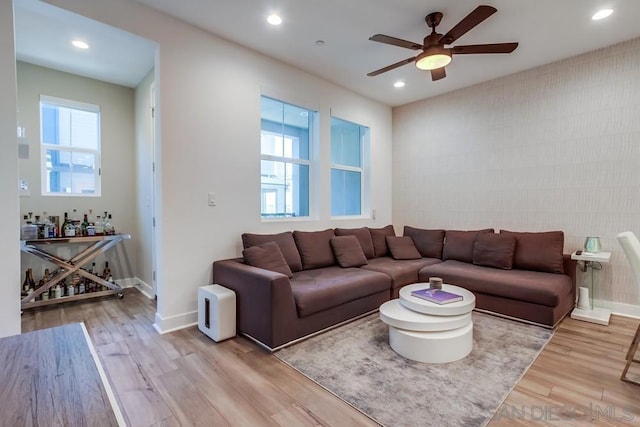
(433, 58)
(592, 244)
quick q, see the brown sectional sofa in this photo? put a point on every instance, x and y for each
(294, 284)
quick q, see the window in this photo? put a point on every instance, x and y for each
(348, 141)
(285, 143)
(70, 147)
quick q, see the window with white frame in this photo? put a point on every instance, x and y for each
(70, 147)
(286, 134)
(348, 161)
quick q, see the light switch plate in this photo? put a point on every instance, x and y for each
(212, 199)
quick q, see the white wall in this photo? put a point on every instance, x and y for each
(117, 154)
(553, 148)
(9, 218)
(209, 113)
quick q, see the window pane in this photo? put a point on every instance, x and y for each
(71, 146)
(346, 143)
(70, 172)
(345, 192)
(69, 127)
(285, 129)
(285, 189)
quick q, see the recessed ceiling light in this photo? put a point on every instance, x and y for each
(398, 84)
(80, 44)
(601, 14)
(274, 19)
(319, 43)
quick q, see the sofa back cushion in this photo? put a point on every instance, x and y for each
(494, 250)
(364, 238)
(379, 237)
(538, 251)
(348, 251)
(402, 247)
(284, 241)
(428, 242)
(458, 245)
(315, 248)
(267, 256)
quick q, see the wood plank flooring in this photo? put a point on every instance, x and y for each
(50, 378)
(184, 378)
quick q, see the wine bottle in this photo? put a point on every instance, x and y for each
(109, 228)
(84, 225)
(32, 283)
(99, 226)
(25, 284)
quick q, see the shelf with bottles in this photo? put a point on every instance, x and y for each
(77, 287)
(65, 282)
(49, 227)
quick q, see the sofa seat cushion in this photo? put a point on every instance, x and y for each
(536, 287)
(323, 288)
(401, 272)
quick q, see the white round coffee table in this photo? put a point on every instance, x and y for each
(424, 331)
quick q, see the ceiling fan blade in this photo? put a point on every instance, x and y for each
(392, 66)
(485, 48)
(468, 22)
(381, 38)
(438, 73)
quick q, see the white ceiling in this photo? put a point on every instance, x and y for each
(547, 30)
(43, 36)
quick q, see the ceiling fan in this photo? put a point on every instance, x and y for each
(434, 55)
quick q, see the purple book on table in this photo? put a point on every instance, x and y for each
(437, 296)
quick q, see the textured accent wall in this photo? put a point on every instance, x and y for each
(552, 148)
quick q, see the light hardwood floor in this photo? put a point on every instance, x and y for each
(183, 378)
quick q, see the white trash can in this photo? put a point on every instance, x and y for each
(217, 312)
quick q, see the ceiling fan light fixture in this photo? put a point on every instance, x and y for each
(432, 59)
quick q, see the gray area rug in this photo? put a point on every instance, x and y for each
(356, 363)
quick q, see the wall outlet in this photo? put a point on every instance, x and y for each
(212, 199)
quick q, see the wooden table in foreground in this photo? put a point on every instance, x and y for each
(52, 377)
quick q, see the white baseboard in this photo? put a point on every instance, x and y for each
(618, 308)
(134, 282)
(169, 324)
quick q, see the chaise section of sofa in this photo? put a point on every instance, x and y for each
(517, 274)
(274, 309)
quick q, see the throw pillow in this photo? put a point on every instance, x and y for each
(284, 241)
(458, 245)
(402, 247)
(315, 248)
(348, 251)
(379, 235)
(494, 250)
(538, 251)
(364, 237)
(267, 256)
(428, 242)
